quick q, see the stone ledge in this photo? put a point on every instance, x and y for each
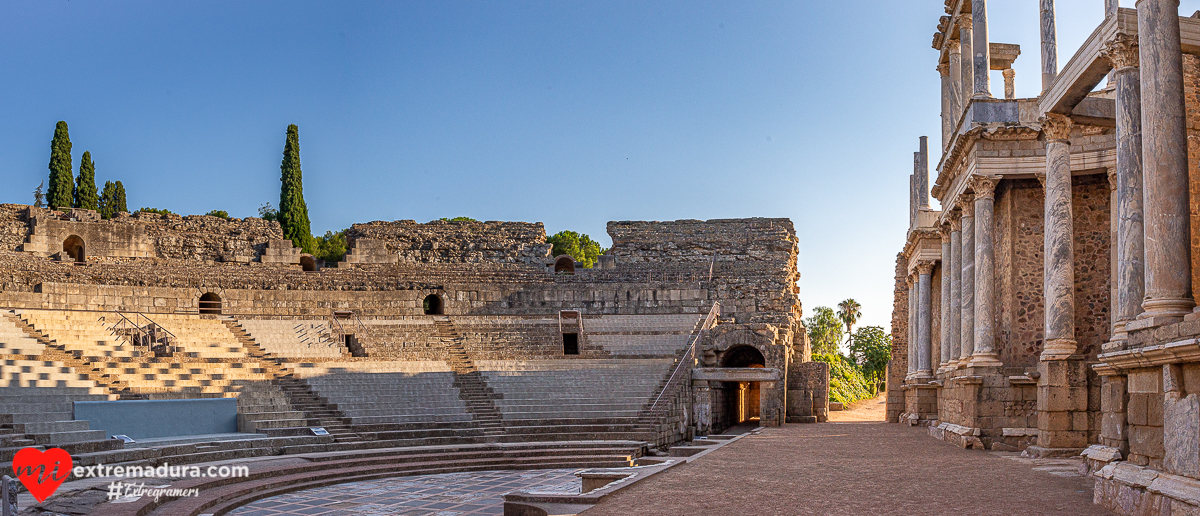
(1186, 350)
(1040, 452)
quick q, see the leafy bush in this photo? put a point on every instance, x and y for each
(331, 247)
(160, 211)
(460, 219)
(846, 381)
(581, 247)
(218, 213)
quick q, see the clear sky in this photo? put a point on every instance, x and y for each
(566, 112)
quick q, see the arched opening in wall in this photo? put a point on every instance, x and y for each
(73, 247)
(564, 265)
(746, 396)
(433, 305)
(308, 263)
(743, 356)
(210, 304)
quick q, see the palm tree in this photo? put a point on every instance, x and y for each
(849, 312)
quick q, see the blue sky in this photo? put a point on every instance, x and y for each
(568, 113)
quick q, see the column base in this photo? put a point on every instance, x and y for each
(986, 360)
(1165, 309)
(1059, 349)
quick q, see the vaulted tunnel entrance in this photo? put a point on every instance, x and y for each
(742, 398)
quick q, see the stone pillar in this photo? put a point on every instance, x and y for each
(912, 327)
(944, 308)
(1059, 250)
(985, 316)
(702, 406)
(1181, 419)
(967, 305)
(1110, 7)
(947, 120)
(925, 319)
(1122, 51)
(982, 63)
(956, 85)
(1164, 164)
(965, 41)
(912, 201)
(1049, 45)
(922, 172)
(1010, 84)
(954, 309)
(1113, 400)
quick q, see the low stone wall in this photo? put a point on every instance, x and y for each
(455, 242)
(808, 392)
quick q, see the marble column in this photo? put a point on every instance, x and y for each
(1010, 83)
(944, 306)
(925, 319)
(947, 120)
(985, 262)
(912, 327)
(1110, 7)
(1059, 250)
(912, 200)
(956, 84)
(967, 65)
(1049, 45)
(922, 172)
(1164, 164)
(1122, 51)
(967, 305)
(982, 62)
(954, 310)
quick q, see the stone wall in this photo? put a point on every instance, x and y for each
(14, 226)
(898, 366)
(1019, 280)
(808, 392)
(771, 241)
(457, 242)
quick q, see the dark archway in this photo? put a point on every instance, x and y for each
(433, 305)
(73, 247)
(210, 304)
(564, 265)
(308, 263)
(743, 356)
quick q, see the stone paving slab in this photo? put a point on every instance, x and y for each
(852, 469)
(452, 494)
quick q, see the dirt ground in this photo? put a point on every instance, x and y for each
(874, 409)
(852, 467)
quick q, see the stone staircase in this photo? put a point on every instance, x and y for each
(472, 388)
(299, 394)
(75, 359)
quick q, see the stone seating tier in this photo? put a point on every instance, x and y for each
(293, 338)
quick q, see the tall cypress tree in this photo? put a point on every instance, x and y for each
(108, 198)
(119, 200)
(293, 212)
(62, 181)
(85, 184)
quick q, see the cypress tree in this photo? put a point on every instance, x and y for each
(119, 199)
(108, 197)
(85, 184)
(62, 181)
(293, 212)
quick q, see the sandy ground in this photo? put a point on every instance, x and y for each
(874, 409)
(856, 468)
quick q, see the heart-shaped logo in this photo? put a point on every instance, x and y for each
(42, 471)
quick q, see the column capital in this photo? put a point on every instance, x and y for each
(1056, 127)
(955, 220)
(954, 46)
(964, 21)
(1121, 50)
(964, 202)
(1009, 74)
(1041, 177)
(943, 69)
(984, 186)
(945, 230)
(925, 267)
(1112, 178)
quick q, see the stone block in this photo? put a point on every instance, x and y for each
(1146, 441)
(1112, 394)
(1182, 443)
(1137, 409)
(1145, 381)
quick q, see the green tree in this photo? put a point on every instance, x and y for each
(824, 330)
(848, 312)
(85, 185)
(293, 212)
(62, 181)
(218, 213)
(108, 198)
(872, 349)
(268, 212)
(160, 211)
(846, 381)
(331, 247)
(460, 219)
(39, 195)
(581, 247)
(119, 205)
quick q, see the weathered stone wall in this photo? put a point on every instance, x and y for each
(808, 392)
(771, 241)
(1191, 95)
(898, 366)
(14, 226)
(1093, 278)
(1019, 280)
(457, 242)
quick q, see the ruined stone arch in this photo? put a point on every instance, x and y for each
(743, 355)
(308, 263)
(210, 303)
(564, 265)
(74, 247)
(433, 305)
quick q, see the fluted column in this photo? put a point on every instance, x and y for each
(985, 287)
(944, 309)
(1049, 45)
(1059, 251)
(967, 65)
(956, 85)
(1164, 163)
(1129, 265)
(967, 306)
(982, 62)
(955, 308)
(925, 319)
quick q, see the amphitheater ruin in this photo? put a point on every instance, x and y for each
(197, 338)
(1049, 305)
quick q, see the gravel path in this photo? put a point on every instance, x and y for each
(855, 468)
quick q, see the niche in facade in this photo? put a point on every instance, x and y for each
(564, 265)
(73, 247)
(308, 263)
(570, 343)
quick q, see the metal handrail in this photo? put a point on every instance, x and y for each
(135, 326)
(690, 355)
